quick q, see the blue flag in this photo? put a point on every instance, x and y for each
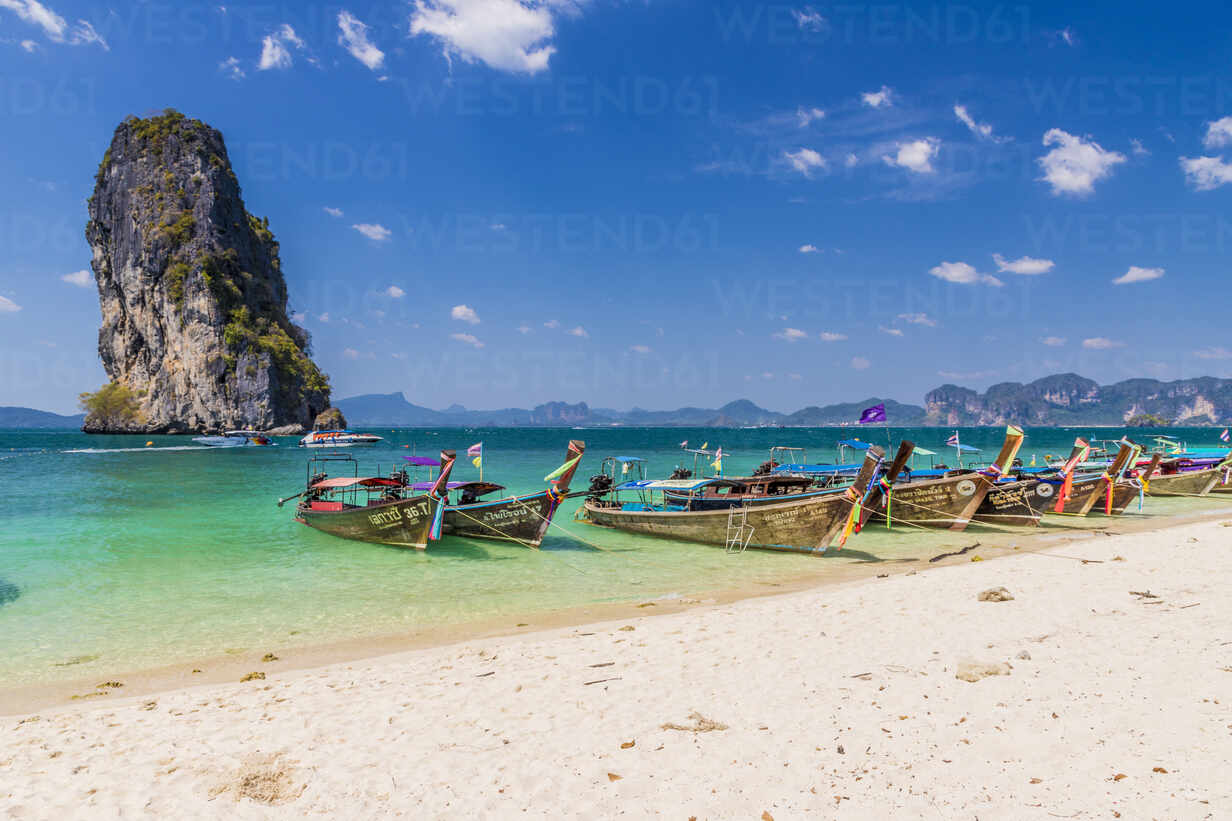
(874, 414)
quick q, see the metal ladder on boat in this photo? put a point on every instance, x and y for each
(739, 531)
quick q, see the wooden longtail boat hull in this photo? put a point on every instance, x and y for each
(1123, 495)
(1082, 496)
(802, 525)
(1020, 503)
(1190, 483)
(523, 519)
(403, 523)
(950, 502)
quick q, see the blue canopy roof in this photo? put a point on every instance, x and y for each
(854, 443)
(827, 470)
(672, 484)
(627, 458)
(965, 448)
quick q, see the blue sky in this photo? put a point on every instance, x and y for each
(500, 203)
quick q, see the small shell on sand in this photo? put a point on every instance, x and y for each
(976, 670)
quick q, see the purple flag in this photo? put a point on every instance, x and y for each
(874, 414)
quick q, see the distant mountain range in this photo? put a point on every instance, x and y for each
(31, 418)
(1059, 400)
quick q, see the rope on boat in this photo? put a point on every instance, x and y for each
(568, 533)
(502, 533)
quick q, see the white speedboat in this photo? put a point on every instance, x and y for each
(338, 439)
(236, 439)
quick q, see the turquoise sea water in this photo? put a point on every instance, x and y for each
(115, 556)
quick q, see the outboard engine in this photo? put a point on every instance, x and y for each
(682, 473)
(765, 468)
(600, 484)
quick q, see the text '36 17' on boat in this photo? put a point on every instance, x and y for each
(523, 519)
(380, 509)
(948, 501)
(338, 439)
(802, 523)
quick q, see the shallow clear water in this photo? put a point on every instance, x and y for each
(118, 556)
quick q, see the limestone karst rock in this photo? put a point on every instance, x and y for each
(194, 304)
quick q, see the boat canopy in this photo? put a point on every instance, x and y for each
(353, 481)
(626, 459)
(826, 470)
(480, 488)
(857, 444)
(961, 448)
(423, 461)
(675, 484)
(249, 433)
(924, 452)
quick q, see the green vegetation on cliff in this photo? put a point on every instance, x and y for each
(113, 406)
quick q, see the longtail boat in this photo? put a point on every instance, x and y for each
(1078, 495)
(951, 500)
(524, 519)
(1021, 502)
(380, 509)
(1187, 476)
(802, 523)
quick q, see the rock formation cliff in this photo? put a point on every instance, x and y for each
(193, 298)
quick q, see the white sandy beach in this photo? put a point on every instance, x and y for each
(837, 702)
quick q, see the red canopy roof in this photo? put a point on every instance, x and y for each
(349, 481)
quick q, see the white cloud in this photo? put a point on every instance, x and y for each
(981, 130)
(643, 349)
(524, 329)
(1067, 36)
(791, 335)
(8, 306)
(851, 161)
(915, 156)
(373, 231)
(350, 353)
(333, 212)
(804, 160)
(1214, 353)
(29, 45)
(507, 35)
(804, 116)
(1075, 164)
(1138, 149)
(1136, 274)
(578, 331)
(464, 313)
(55, 27)
(353, 37)
(859, 363)
(1053, 341)
(809, 19)
(1027, 266)
(1206, 173)
(394, 292)
(877, 99)
(552, 323)
(963, 274)
(808, 249)
(919, 319)
(324, 317)
(1101, 343)
(830, 336)
(890, 331)
(81, 279)
(1218, 133)
(469, 339)
(276, 48)
(231, 68)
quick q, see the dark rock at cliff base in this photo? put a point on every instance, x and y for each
(193, 299)
(329, 419)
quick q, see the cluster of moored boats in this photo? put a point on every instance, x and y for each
(785, 505)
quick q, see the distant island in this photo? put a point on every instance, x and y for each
(1058, 400)
(1054, 401)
